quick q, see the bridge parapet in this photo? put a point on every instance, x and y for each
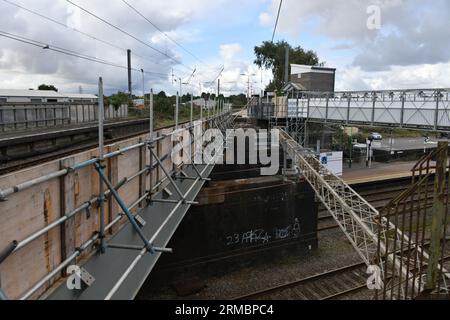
(51, 214)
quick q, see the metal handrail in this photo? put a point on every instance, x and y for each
(361, 222)
(104, 194)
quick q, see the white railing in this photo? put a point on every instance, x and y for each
(426, 109)
(362, 224)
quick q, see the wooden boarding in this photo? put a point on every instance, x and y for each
(28, 211)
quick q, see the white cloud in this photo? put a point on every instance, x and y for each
(266, 19)
(180, 36)
(410, 49)
(333, 18)
(24, 66)
(229, 51)
(400, 77)
(232, 81)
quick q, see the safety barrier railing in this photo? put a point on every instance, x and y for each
(368, 232)
(423, 109)
(421, 212)
(218, 117)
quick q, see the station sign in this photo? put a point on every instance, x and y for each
(333, 161)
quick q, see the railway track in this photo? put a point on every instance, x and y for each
(324, 286)
(89, 143)
(378, 198)
(329, 285)
(49, 156)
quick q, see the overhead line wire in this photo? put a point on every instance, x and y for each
(68, 52)
(276, 22)
(127, 33)
(160, 30)
(112, 45)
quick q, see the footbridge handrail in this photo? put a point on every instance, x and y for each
(360, 221)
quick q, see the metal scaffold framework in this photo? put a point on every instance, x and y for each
(376, 239)
(120, 261)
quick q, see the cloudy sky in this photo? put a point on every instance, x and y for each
(410, 50)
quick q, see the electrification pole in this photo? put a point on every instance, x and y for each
(286, 66)
(129, 72)
(143, 86)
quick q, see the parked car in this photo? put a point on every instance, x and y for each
(375, 136)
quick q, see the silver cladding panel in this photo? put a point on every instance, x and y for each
(408, 109)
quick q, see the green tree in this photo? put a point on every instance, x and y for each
(238, 100)
(164, 106)
(118, 99)
(47, 87)
(272, 56)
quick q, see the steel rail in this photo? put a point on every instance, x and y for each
(361, 222)
(358, 219)
(91, 241)
(286, 286)
(345, 292)
(298, 282)
(70, 150)
(429, 206)
(79, 209)
(78, 251)
(4, 193)
(86, 205)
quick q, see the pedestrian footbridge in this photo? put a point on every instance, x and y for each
(412, 109)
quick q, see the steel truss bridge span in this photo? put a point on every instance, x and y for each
(368, 232)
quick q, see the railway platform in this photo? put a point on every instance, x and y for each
(378, 172)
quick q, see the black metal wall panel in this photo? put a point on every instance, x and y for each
(243, 228)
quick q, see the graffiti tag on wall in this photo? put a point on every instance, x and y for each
(261, 236)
